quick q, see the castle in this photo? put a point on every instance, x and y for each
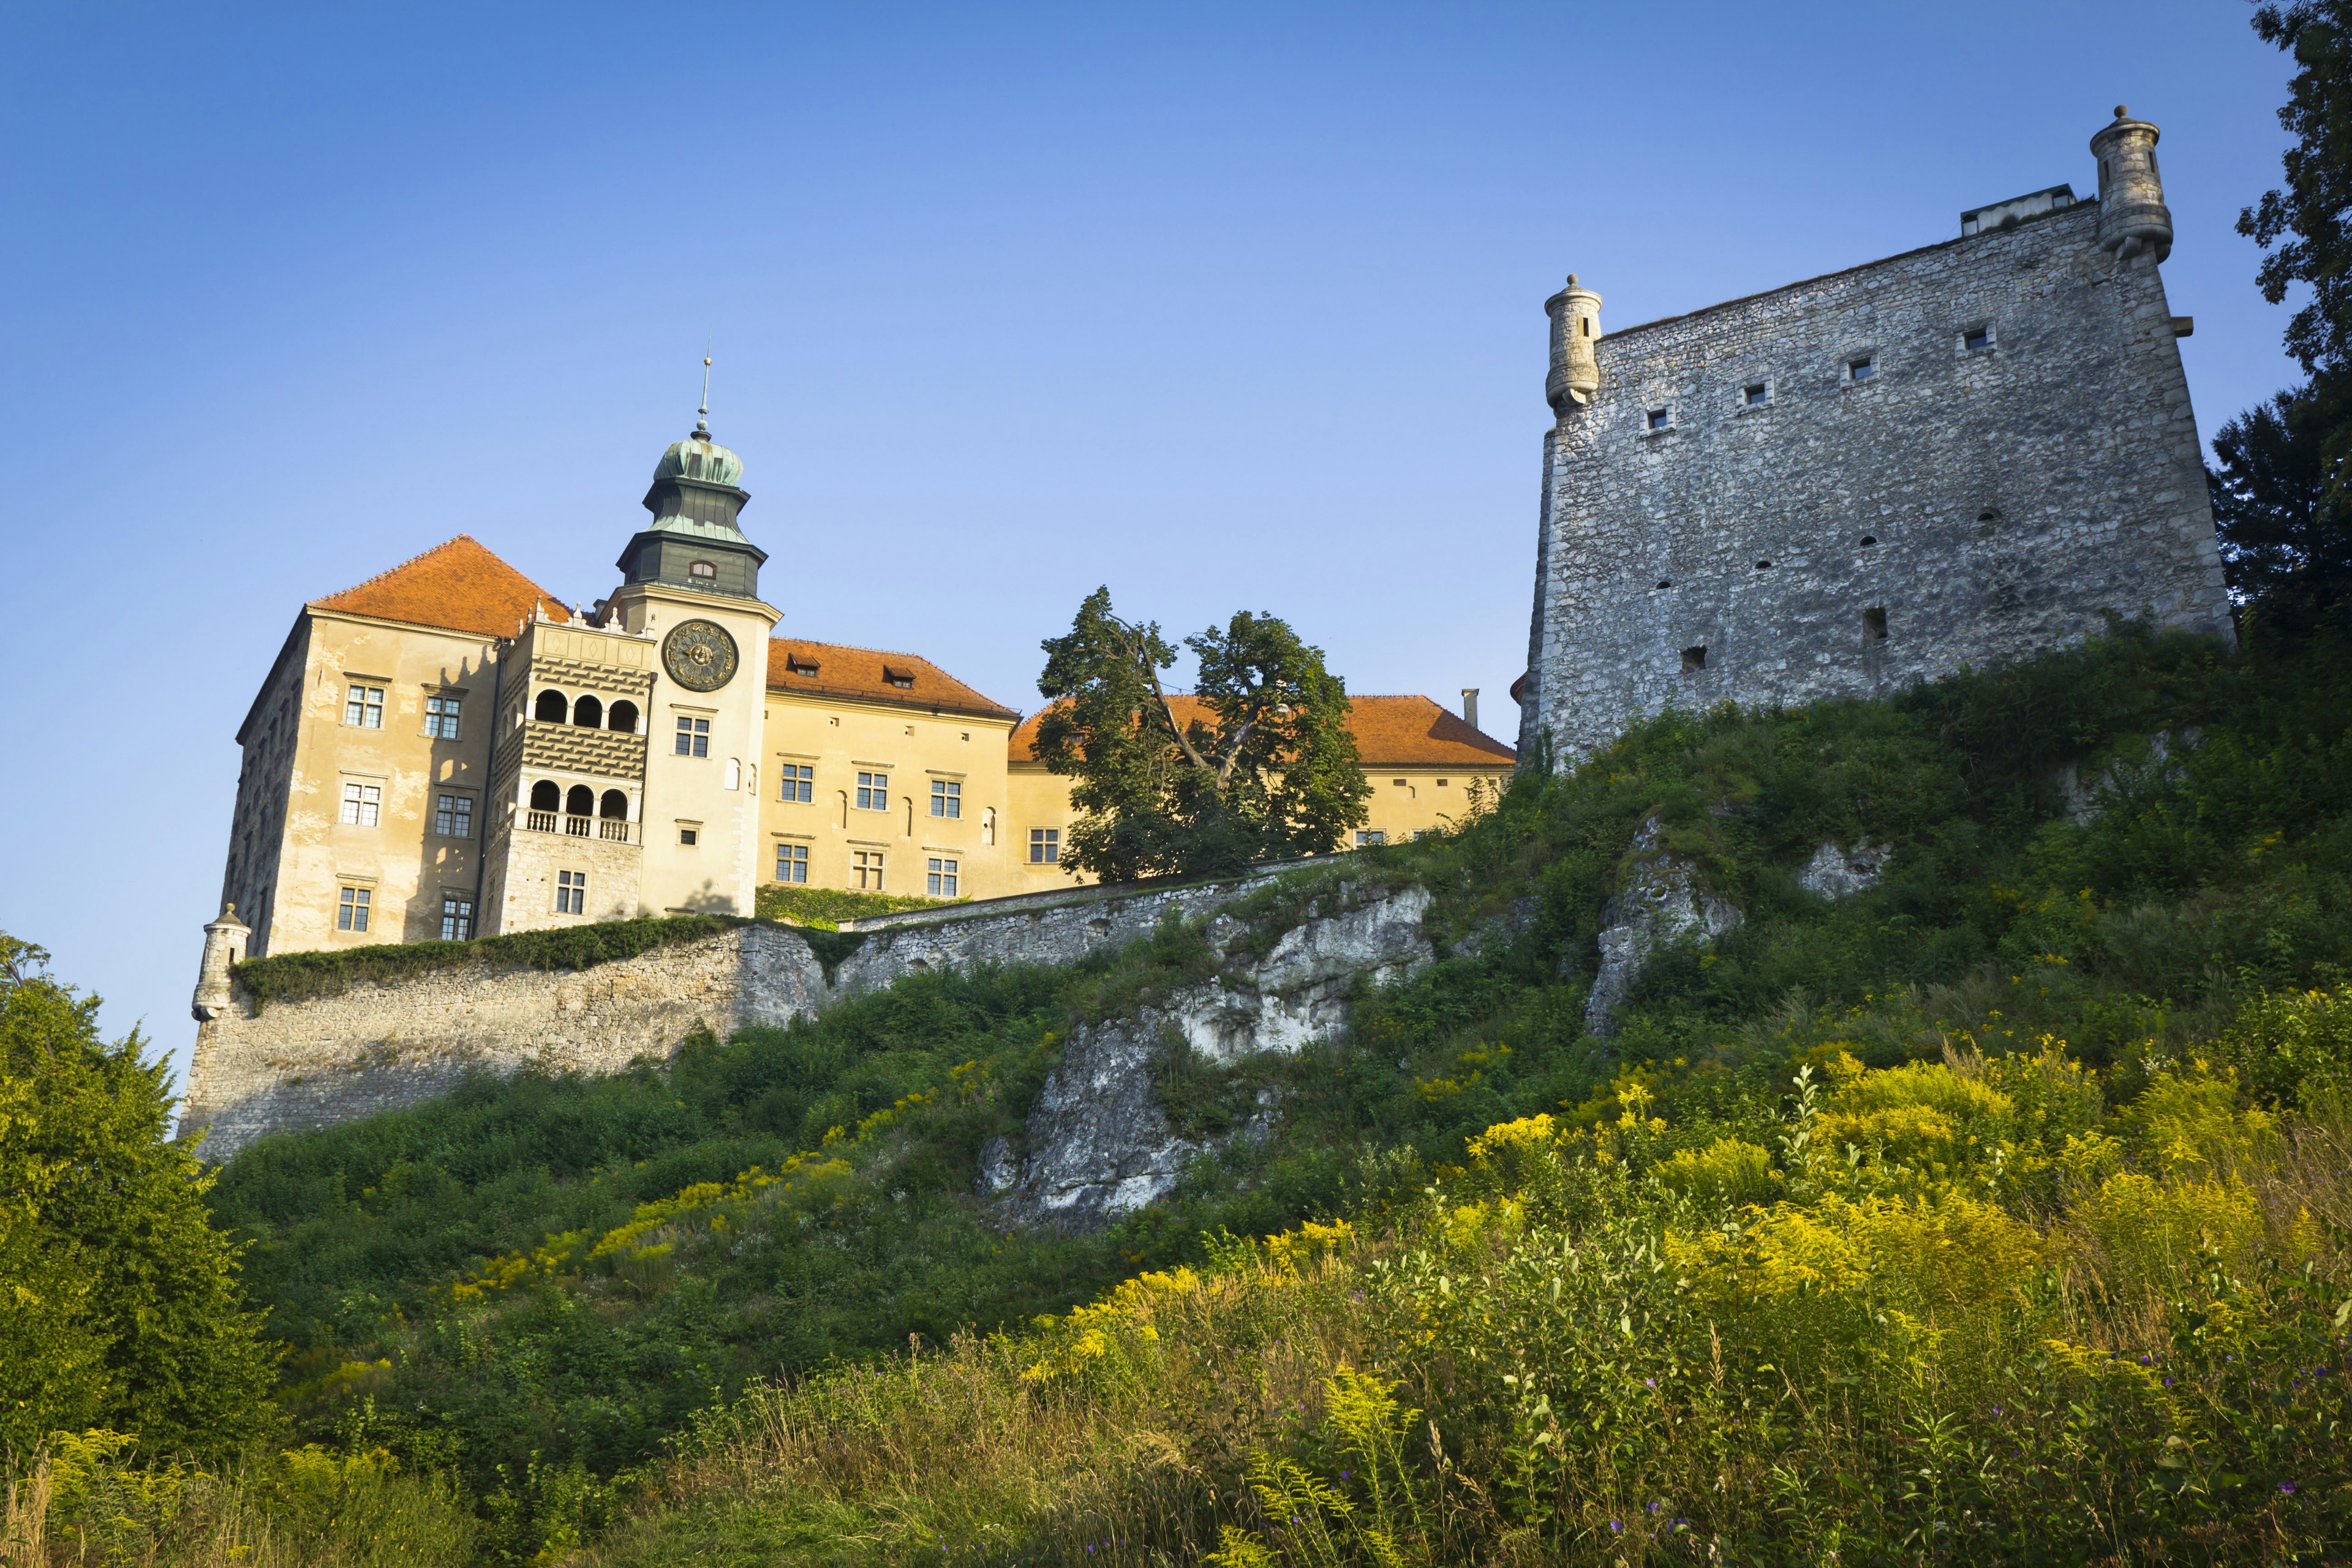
(1953, 457)
(449, 750)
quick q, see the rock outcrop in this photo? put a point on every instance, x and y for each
(1098, 1143)
(1836, 873)
(1663, 901)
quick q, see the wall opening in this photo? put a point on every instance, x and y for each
(614, 806)
(1752, 395)
(551, 707)
(1874, 625)
(1989, 514)
(1763, 566)
(1665, 583)
(589, 712)
(1657, 418)
(1860, 369)
(622, 716)
(1693, 659)
(545, 796)
(1868, 540)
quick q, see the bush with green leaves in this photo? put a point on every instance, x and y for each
(119, 1304)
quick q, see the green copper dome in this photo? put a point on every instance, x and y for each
(696, 540)
(699, 458)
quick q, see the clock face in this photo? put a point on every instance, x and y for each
(700, 656)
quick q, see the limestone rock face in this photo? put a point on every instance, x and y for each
(1663, 902)
(1833, 873)
(1097, 1144)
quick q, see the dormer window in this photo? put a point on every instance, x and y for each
(703, 572)
(904, 680)
(795, 665)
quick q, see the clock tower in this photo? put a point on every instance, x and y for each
(690, 586)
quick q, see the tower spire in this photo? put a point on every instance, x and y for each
(702, 414)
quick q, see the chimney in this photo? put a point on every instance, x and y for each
(1470, 706)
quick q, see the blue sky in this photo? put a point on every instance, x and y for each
(1226, 306)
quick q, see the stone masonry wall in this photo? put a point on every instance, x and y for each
(379, 1047)
(1985, 503)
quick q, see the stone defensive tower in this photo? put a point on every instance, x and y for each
(1954, 456)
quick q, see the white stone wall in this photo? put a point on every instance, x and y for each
(379, 1047)
(2014, 494)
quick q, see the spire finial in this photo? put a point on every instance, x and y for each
(702, 414)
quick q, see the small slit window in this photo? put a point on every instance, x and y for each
(1861, 368)
(1693, 659)
(1874, 625)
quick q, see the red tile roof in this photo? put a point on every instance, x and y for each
(1391, 732)
(460, 585)
(872, 675)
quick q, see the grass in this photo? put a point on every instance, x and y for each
(826, 908)
(548, 1283)
(295, 976)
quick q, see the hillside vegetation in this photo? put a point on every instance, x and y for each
(2078, 1056)
(1997, 1213)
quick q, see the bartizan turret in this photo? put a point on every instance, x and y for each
(225, 943)
(1575, 313)
(2132, 213)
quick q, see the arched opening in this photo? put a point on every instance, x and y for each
(614, 806)
(579, 801)
(545, 796)
(551, 707)
(589, 712)
(622, 716)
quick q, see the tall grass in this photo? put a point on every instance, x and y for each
(1947, 1312)
(90, 1498)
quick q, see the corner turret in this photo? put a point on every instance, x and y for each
(1575, 313)
(224, 943)
(2132, 213)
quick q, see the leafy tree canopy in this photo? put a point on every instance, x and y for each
(1259, 764)
(119, 1302)
(2282, 484)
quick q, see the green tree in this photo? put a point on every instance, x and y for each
(119, 1302)
(2283, 487)
(1256, 762)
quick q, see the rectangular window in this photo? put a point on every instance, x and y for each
(1752, 395)
(694, 737)
(1044, 847)
(441, 717)
(792, 862)
(800, 782)
(571, 893)
(1368, 837)
(363, 805)
(1874, 626)
(1976, 338)
(1693, 660)
(1860, 369)
(352, 913)
(947, 798)
(874, 792)
(363, 707)
(456, 918)
(867, 869)
(453, 817)
(688, 837)
(1657, 418)
(939, 879)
